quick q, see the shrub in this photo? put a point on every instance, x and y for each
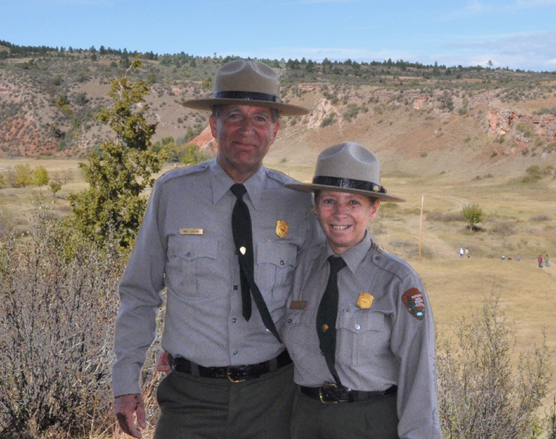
(473, 214)
(445, 217)
(533, 174)
(540, 218)
(504, 228)
(328, 120)
(40, 176)
(482, 395)
(58, 303)
(526, 130)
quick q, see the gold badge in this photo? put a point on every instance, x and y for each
(191, 231)
(365, 300)
(282, 228)
(324, 327)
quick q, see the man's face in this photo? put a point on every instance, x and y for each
(244, 135)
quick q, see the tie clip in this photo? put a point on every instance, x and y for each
(242, 250)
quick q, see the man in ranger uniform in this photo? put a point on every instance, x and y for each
(222, 237)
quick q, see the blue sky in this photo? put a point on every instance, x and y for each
(520, 34)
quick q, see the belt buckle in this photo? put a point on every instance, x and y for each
(329, 386)
(228, 372)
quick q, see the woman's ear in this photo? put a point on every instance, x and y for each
(374, 209)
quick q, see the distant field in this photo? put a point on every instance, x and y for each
(519, 219)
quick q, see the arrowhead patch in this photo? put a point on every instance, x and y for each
(415, 303)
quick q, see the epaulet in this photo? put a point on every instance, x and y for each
(186, 170)
(387, 261)
(377, 247)
(279, 176)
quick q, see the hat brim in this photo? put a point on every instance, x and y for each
(306, 187)
(284, 109)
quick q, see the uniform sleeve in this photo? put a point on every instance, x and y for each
(413, 344)
(140, 298)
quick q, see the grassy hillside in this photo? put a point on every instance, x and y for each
(448, 135)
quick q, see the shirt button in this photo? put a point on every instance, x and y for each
(357, 326)
(234, 320)
(289, 320)
(235, 352)
(188, 254)
(281, 262)
(235, 287)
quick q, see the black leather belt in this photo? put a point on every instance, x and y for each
(236, 374)
(331, 394)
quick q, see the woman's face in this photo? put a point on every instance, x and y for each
(343, 217)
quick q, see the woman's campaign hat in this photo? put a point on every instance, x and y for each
(347, 167)
(246, 82)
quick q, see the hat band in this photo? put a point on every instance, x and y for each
(247, 95)
(349, 183)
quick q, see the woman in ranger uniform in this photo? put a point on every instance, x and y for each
(359, 326)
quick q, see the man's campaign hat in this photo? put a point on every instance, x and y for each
(246, 82)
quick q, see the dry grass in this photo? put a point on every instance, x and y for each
(456, 286)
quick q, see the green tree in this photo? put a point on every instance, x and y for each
(114, 203)
(207, 83)
(55, 187)
(193, 155)
(473, 214)
(40, 176)
(23, 175)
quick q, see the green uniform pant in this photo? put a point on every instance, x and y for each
(375, 418)
(212, 408)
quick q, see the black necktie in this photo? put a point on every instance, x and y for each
(327, 314)
(243, 239)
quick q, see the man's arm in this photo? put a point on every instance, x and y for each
(127, 408)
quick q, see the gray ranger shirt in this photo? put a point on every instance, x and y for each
(185, 244)
(385, 331)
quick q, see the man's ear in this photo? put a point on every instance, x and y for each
(213, 126)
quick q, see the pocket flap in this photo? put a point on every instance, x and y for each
(360, 321)
(194, 247)
(280, 254)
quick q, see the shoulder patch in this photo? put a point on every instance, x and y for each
(415, 303)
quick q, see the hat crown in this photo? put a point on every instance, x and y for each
(247, 76)
(349, 160)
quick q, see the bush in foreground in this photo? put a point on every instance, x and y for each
(58, 302)
(482, 394)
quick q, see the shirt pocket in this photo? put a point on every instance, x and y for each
(299, 333)
(360, 337)
(274, 269)
(191, 267)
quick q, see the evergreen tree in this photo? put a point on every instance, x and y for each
(114, 203)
